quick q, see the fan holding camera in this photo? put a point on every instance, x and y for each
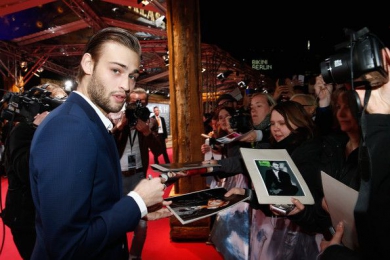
(284, 89)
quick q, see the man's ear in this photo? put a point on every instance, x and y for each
(87, 63)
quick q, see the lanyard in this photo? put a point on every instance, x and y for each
(132, 140)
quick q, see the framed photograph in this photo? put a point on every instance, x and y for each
(193, 206)
(275, 177)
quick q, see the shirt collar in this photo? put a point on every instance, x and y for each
(107, 122)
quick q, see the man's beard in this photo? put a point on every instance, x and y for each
(96, 92)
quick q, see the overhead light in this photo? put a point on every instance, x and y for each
(23, 64)
(68, 85)
(144, 2)
(241, 84)
(224, 75)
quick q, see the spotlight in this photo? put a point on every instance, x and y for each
(241, 84)
(144, 2)
(23, 65)
(224, 75)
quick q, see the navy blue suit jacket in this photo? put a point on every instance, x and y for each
(77, 187)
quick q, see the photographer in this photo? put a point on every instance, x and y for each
(371, 210)
(19, 212)
(134, 138)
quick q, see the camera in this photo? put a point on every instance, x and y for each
(241, 121)
(359, 61)
(135, 111)
(25, 106)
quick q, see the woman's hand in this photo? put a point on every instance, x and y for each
(250, 137)
(298, 206)
(336, 239)
(323, 91)
(205, 148)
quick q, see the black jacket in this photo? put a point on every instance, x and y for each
(19, 211)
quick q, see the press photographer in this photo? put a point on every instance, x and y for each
(365, 62)
(241, 121)
(28, 110)
(133, 132)
(135, 111)
(358, 62)
(24, 106)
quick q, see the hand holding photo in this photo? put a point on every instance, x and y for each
(193, 206)
(275, 177)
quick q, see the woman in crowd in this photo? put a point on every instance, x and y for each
(233, 219)
(276, 237)
(260, 109)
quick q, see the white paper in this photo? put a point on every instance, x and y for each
(341, 201)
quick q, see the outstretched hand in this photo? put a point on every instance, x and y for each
(336, 239)
(159, 211)
(323, 91)
(238, 191)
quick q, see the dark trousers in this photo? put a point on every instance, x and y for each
(164, 150)
(24, 239)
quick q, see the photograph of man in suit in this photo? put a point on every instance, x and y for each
(162, 135)
(279, 182)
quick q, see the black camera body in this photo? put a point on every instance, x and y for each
(25, 106)
(135, 111)
(241, 121)
(359, 61)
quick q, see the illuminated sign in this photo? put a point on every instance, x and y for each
(150, 15)
(261, 65)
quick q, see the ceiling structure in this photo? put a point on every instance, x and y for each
(50, 36)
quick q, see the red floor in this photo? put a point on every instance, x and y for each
(158, 244)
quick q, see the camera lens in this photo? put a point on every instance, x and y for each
(336, 69)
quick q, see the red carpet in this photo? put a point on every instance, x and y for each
(158, 244)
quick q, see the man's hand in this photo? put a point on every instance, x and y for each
(158, 211)
(151, 191)
(119, 120)
(39, 118)
(336, 239)
(143, 127)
